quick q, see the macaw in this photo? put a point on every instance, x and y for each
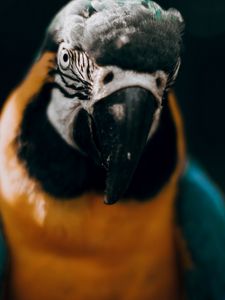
(98, 198)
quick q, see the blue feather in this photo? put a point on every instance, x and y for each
(201, 216)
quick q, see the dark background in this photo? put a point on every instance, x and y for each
(201, 83)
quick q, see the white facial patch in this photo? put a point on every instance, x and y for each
(124, 79)
(120, 79)
(155, 122)
(61, 113)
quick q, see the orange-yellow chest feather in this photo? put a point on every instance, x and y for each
(82, 249)
(86, 250)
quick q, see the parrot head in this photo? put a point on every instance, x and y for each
(115, 61)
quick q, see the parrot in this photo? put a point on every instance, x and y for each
(99, 199)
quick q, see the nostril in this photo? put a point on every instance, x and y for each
(159, 82)
(108, 78)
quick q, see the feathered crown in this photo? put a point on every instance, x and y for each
(157, 12)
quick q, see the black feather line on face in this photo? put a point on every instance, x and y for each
(76, 95)
(81, 92)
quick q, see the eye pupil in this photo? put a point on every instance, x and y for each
(65, 57)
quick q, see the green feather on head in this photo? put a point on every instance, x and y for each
(154, 8)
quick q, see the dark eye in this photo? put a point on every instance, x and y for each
(64, 59)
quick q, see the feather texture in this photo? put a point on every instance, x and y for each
(201, 216)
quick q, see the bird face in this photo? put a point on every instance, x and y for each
(114, 64)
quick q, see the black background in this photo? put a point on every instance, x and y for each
(200, 87)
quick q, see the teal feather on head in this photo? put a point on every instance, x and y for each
(155, 9)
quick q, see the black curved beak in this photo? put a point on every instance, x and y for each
(121, 125)
(115, 135)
